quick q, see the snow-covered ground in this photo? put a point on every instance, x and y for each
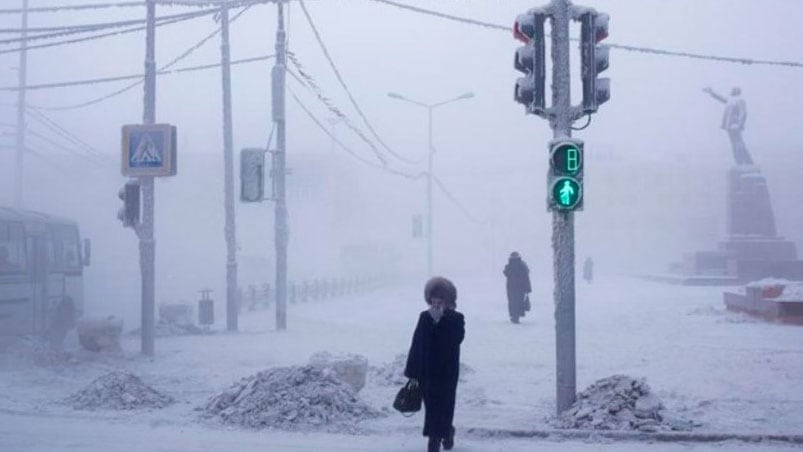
(724, 370)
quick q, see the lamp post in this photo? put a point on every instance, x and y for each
(430, 156)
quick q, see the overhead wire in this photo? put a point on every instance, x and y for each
(629, 48)
(64, 133)
(343, 84)
(79, 7)
(172, 62)
(351, 152)
(310, 83)
(118, 78)
(66, 30)
(456, 202)
(183, 18)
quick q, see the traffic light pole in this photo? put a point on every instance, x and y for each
(20, 140)
(281, 231)
(147, 244)
(563, 220)
(232, 308)
(430, 158)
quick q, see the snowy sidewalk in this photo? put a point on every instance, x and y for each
(726, 371)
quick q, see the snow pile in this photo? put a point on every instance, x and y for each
(350, 368)
(118, 391)
(792, 292)
(100, 334)
(38, 351)
(291, 398)
(166, 329)
(392, 373)
(620, 403)
(769, 282)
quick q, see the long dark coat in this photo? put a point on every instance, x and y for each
(434, 360)
(518, 285)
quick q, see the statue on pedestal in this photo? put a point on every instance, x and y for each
(733, 120)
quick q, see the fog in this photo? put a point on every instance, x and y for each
(655, 169)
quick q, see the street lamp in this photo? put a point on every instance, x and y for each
(430, 107)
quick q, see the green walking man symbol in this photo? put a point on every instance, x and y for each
(566, 193)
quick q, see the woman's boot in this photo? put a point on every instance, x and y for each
(434, 444)
(448, 442)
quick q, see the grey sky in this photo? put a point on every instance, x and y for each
(491, 155)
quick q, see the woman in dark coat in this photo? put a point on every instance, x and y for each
(518, 285)
(434, 360)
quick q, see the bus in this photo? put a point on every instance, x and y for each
(41, 274)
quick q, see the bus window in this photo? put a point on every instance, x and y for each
(12, 249)
(66, 248)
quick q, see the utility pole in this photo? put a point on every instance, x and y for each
(563, 220)
(232, 307)
(430, 158)
(147, 244)
(281, 232)
(20, 140)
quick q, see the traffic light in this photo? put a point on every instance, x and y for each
(594, 29)
(130, 195)
(252, 175)
(529, 59)
(565, 181)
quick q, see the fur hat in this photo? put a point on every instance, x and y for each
(440, 287)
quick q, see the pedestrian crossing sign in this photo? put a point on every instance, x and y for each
(149, 150)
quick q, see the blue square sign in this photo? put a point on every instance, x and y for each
(149, 150)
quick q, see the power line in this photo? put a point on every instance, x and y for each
(628, 48)
(105, 35)
(118, 78)
(59, 130)
(386, 169)
(66, 30)
(327, 132)
(454, 200)
(183, 55)
(346, 88)
(58, 145)
(51, 9)
(309, 83)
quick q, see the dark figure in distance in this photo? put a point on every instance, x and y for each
(434, 360)
(588, 270)
(518, 285)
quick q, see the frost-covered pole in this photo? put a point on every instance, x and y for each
(563, 221)
(22, 79)
(430, 157)
(147, 244)
(232, 308)
(281, 229)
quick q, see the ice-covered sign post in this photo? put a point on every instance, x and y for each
(148, 151)
(565, 191)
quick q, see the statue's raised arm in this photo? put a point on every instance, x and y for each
(715, 95)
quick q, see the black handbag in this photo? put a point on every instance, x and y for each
(527, 305)
(408, 399)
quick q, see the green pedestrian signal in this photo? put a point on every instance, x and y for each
(566, 192)
(565, 178)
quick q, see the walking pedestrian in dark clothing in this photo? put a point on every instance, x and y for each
(588, 270)
(434, 360)
(518, 285)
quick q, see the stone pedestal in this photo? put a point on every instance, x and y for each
(749, 211)
(752, 249)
